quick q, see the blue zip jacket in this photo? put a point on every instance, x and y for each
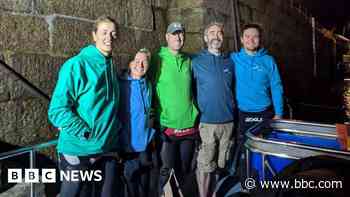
(214, 83)
(257, 82)
(135, 105)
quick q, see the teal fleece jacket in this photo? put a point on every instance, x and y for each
(84, 104)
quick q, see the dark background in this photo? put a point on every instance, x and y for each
(330, 12)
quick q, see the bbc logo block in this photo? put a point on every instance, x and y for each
(31, 175)
(14, 175)
(50, 175)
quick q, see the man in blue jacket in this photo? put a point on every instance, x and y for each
(213, 74)
(258, 85)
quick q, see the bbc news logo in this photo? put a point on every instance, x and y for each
(17, 175)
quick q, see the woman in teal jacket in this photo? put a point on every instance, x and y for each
(83, 106)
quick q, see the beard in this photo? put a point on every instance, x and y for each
(215, 43)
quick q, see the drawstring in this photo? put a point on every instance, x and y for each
(109, 79)
(113, 78)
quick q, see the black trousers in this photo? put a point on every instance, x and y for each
(177, 155)
(109, 186)
(246, 121)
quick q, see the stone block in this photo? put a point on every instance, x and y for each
(245, 13)
(31, 121)
(4, 86)
(69, 35)
(299, 17)
(195, 19)
(150, 40)
(222, 6)
(160, 21)
(122, 61)
(125, 42)
(7, 120)
(279, 4)
(255, 4)
(163, 4)
(39, 69)
(185, 3)
(22, 6)
(272, 10)
(24, 122)
(230, 45)
(139, 15)
(285, 22)
(23, 33)
(213, 15)
(84, 8)
(194, 42)
(192, 18)
(261, 18)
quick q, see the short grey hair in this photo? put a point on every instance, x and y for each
(213, 23)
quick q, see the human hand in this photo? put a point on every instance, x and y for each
(277, 117)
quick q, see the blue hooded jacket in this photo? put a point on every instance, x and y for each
(214, 83)
(135, 105)
(257, 82)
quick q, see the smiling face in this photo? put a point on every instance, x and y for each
(175, 41)
(104, 36)
(214, 37)
(251, 39)
(139, 66)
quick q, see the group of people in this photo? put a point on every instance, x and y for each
(160, 107)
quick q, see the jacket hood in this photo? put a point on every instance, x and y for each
(92, 54)
(259, 53)
(165, 52)
(206, 52)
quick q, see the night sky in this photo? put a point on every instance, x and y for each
(330, 12)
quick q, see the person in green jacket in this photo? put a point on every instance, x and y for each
(84, 107)
(175, 110)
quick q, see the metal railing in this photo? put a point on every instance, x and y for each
(32, 150)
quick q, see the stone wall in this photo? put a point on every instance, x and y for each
(37, 36)
(287, 35)
(195, 14)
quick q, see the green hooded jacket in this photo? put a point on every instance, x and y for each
(84, 104)
(172, 78)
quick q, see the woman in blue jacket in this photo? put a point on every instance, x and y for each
(137, 131)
